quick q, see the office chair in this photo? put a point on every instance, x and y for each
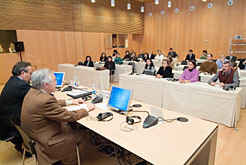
(183, 63)
(172, 75)
(185, 67)
(28, 144)
(198, 64)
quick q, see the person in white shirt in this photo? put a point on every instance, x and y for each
(159, 56)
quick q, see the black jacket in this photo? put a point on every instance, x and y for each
(103, 59)
(127, 57)
(91, 64)
(11, 100)
(233, 59)
(173, 54)
(111, 66)
(241, 65)
(193, 57)
(167, 73)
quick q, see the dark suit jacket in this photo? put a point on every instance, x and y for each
(46, 122)
(103, 59)
(233, 59)
(11, 100)
(91, 64)
(193, 57)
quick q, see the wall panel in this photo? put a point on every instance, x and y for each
(200, 29)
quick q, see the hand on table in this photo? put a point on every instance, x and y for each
(78, 101)
(90, 106)
(213, 83)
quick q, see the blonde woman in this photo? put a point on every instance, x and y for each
(12, 48)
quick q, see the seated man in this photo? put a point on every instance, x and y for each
(204, 55)
(228, 77)
(118, 59)
(231, 58)
(190, 56)
(159, 56)
(172, 53)
(45, 120)
(11, 100)
(209, 66)
(221, 61)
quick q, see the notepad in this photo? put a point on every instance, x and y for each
(76, 107)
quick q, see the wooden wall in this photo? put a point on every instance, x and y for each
(72, 15)
(47, 49)
(203, 28)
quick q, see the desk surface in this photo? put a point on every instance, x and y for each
(167, 143)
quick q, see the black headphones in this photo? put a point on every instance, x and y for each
(103, 116)
(86, 98)
(130, 119)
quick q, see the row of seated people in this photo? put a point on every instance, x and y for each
(228, 76)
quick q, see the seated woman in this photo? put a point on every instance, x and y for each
(170, 61)
(204, 55)
(88, 62)
(149, 68)
(110, 64)
(103, 57)
(134, 57)
(118, 59)
(165, 70)
(145, 57)
(127, 56)
(190, 74)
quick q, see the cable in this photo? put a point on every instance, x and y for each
(167, 120)
(127, 127)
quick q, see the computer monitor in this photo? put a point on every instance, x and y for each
(119, 98)
(59, 78)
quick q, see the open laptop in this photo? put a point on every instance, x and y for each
(120, 99)
(59, 78)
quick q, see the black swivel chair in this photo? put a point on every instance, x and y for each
(185, 67)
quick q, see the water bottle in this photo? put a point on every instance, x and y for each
(93, 87)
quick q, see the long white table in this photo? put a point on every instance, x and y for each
(197, 99)
(119, 69)
(193, 142)
(85, 75)
(203, 101)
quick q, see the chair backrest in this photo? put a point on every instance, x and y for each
(185, 67)
(183, 63)
(28, 143)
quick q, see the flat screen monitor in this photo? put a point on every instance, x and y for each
(119, 98)
(59, 78)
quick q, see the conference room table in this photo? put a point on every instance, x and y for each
(119, 69)
(192, 142)
(196, 99)
(86, 76)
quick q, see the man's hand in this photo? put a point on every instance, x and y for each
(78, 101)
(221, 84)
(213, 83)
(181, 80)
(90, 106)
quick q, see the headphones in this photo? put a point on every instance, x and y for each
(86, 98)
(130, 119)
(103, 116)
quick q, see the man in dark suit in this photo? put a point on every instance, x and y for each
(190, 56)
(46, 121)
(11, 100)
(172, 53)
(231, 57)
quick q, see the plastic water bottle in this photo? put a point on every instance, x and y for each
(93, 87)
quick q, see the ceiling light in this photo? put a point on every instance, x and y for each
(156, 2)
(112, 3)
(169, 4)
(142, 9)
(93, 1)
(128, 6)
(204, 0)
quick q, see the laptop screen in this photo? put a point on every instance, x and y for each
(120, 98)
(59, 78)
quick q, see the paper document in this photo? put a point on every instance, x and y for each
(76, 107)
(103, 105)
